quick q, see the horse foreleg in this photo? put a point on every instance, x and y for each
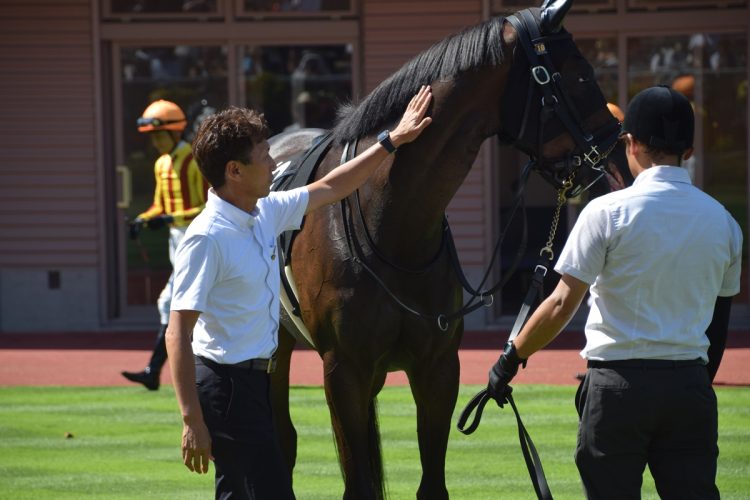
(285, 430)
(349, 392)
(435, 390)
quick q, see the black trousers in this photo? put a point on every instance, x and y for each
(237, 409)
(662, 416)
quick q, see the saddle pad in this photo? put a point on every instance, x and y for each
(290, 175)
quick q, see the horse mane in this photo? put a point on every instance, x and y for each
(475, 47)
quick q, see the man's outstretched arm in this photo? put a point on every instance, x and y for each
(343, 180)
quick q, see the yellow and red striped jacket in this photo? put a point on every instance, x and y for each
(180, 187)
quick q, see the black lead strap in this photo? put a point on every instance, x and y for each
(530, 455)
(478, 402)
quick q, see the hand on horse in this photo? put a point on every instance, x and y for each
(159, 221)
(502, 372)
(414, 120)
(134, 227)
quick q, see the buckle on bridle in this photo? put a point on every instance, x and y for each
(593, 157)
(540, 75)
(442, 322)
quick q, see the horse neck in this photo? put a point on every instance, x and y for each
(414, 193)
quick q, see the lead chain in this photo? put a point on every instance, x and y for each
(547, 249)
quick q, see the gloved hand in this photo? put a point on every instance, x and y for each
(502, 372)
(134, 227)
(159, 221)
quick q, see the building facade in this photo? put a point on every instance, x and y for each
(76, 74)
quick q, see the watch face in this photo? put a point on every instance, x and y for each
(382, 135)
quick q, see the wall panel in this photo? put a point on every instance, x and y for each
(48, 167)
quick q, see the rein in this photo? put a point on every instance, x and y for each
(562, 174)
(478, 402)
(478, 296)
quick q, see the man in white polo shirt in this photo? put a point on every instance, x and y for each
(662, 261)
(223, 326)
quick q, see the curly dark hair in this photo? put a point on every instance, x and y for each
(227, 135)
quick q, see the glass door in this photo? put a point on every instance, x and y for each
(710, 69)
(195, 78)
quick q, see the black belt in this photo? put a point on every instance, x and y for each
(260, 364)
(646, 363)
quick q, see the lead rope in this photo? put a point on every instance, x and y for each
(530, 455)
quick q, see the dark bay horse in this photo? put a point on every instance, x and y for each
(489, 80)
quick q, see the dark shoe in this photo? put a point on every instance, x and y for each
(146, 377)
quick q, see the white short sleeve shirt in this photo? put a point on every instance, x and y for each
(657, 254)
(226, 267)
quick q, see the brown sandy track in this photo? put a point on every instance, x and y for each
(96, 359)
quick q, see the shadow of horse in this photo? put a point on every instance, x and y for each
(372, 273)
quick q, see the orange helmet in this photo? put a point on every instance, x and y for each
(162, 115)
(685, 85)
(616, 112)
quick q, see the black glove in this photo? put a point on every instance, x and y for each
(134, 227)
(502, 373)
(159, 221)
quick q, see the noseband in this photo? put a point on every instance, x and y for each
(589, 152)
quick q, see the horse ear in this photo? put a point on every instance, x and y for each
(553, 12)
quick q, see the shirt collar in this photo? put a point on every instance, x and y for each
(662, 173)
(235, 215)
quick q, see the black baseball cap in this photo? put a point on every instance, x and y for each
(662, 118)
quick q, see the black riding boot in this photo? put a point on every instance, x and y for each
(150, 375)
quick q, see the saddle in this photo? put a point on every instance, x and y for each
(289, 175)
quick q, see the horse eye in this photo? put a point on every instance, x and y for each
(583, 79)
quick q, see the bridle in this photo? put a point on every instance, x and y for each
(565, 174)
(590, 152)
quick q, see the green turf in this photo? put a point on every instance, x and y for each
(125, 444)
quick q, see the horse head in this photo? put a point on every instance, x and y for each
(566, 128)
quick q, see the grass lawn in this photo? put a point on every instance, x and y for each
(125, 444)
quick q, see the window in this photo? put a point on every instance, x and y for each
(297, 86)
(711, 70)
(122, 10)
(297, 6)
(680, 4)
(195, 78)
(509, 6)
(601, 53)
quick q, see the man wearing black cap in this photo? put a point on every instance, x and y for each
(662, 261)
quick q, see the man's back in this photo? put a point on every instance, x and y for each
(665, 254)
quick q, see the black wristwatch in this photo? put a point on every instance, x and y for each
(384, 138)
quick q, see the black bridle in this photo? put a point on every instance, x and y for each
(590, 152)
(567, 176)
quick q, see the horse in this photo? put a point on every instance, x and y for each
(376, 287)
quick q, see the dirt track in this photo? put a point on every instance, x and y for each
(96, 359)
